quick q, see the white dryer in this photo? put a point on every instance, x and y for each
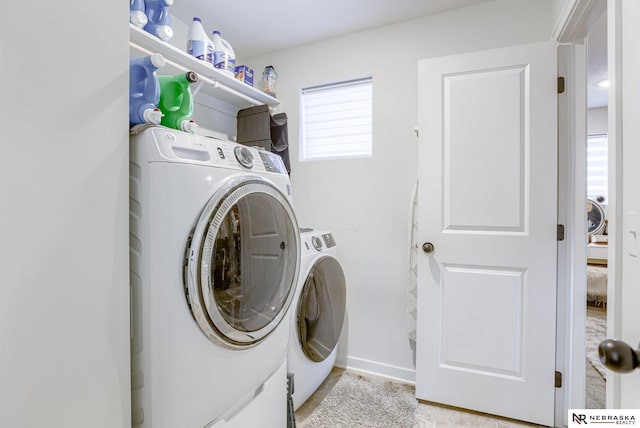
(318, 313)
(215, 256)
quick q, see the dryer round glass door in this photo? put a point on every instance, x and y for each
(242, 262)
(321, 309)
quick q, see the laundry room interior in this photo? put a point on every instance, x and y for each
(365, 201)
(86, 336)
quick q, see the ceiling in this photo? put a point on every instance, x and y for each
(257, 27)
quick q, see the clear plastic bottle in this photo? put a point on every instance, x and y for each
(269, 80)
(224, 58)
(159, 20)
(144, 89)
(137, 14)
(176, 101)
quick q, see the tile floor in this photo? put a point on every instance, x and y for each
(429, 415)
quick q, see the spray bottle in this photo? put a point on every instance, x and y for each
(137, 14)
(176, 101)
(144, 89)
(159, 20)
(224, 58)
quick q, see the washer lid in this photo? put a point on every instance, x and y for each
(321, 309)
(242, 262)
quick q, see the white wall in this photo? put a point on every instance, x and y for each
(365, 202)
(597, 121)
(64, 282)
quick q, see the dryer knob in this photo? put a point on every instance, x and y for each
(317, 243)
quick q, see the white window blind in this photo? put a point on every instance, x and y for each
(597, 167)
(336, 120)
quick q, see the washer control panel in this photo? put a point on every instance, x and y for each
(176, 145)
(272, 162)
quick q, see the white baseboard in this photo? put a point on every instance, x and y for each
(395, 373)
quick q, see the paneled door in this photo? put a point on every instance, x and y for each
(487, 231)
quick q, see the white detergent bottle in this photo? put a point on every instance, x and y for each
(210, 50)
(224, 59)
(199, 45)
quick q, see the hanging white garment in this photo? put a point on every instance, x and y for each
(412, 285)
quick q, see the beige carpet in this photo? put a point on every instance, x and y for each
(595, 390)
(363, 401)
(596, 333)
(349, 399)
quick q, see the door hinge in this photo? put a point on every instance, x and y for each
(558, 380)
(561, 85)
(560, 232)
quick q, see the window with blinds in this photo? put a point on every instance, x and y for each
(597, 167)
(336, 120)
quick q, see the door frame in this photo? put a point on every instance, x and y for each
(576, 20)
(572, 256)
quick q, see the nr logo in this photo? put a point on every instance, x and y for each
(579, 418)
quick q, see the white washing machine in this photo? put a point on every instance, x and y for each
(318, 313)
(215, 257)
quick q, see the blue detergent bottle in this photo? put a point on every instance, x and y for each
(159, 20)
(144, 89)
(137, 15)
(176, 101)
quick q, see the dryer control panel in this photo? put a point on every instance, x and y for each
(328, 240)
(316, 242)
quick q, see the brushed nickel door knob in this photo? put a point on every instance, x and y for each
(428, 248)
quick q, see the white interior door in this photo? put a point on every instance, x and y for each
(488, 197)
(625, 14)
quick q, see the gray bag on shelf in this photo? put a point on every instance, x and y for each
(254, 127)
(257, 128)
(280, 138)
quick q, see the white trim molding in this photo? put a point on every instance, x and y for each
(576, 18)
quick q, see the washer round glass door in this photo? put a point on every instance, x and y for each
(242, 262)
(321, 309)
(595, 217)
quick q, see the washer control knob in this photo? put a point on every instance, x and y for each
(244, 156)
(317, 243)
